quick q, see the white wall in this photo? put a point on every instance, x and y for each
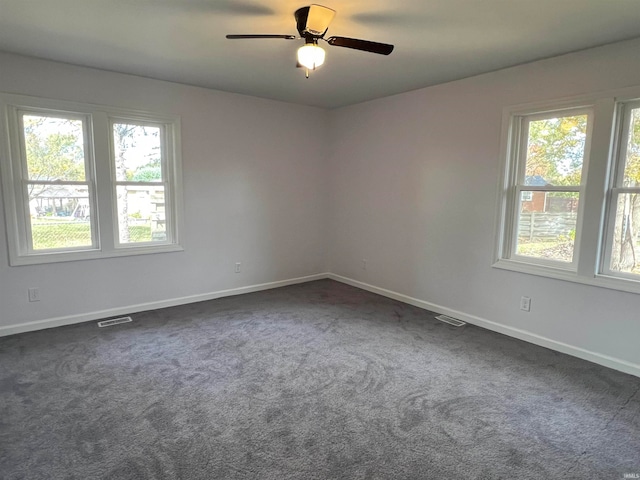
(414, 186)
(409, 183)
(254, 191)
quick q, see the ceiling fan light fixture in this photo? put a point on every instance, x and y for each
(311, 56)
(312, 23)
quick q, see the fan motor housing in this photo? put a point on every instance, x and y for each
(302, 18)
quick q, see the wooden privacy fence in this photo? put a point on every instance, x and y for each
(543, 225)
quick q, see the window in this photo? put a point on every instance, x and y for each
(551, 159)
(622, 256)
(570, 203)
(88, 182)
(526, 196)
(141, 182)
(58, 186)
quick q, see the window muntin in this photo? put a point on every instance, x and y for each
(79, 220)
(622, 254)
(550, 166)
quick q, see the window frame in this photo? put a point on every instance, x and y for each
(519, 132)
(98, 171)
(616, 187)
(22, 200)
(167, 179)
(593, 251)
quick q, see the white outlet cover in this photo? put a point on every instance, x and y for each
(34, 295)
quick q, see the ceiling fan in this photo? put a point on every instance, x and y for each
(312, 23)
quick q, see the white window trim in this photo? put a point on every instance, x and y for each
(615, 186)
(519, 138)
(98, 149)
(22, 201)
(595, 198)
(167, 181)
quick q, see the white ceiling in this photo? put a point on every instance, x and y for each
(435, 40)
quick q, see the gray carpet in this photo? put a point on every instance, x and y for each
(312, 381)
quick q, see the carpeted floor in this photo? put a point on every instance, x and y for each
(312, 381)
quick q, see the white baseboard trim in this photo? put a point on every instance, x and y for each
(605, 360)
(113, 312)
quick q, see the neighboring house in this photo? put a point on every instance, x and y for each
(143, 202)
(534, 201)
(60, 201)
(542, 202)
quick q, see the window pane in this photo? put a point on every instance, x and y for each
(625, 254)
(141, 214)
(547, 225)
(555, 151)
(632, 162)
(60, 216)
(54, 147)
(138, 153)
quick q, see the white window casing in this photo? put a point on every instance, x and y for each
(600, 186)
(100, 182)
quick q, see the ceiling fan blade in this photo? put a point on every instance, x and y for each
(364, 45)
(236, 37)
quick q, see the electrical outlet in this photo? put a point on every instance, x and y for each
(364, 264)
(525, 304)
(34, 294)
(238, 264)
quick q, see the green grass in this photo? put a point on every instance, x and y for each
(48, 235)
(140, 233)
(67, 234)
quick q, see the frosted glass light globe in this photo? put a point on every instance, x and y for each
(310, 56)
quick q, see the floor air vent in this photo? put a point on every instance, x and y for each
(114, 321)
(451, 321)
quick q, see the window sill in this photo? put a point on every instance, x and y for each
(603, 281)
(56, 257)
